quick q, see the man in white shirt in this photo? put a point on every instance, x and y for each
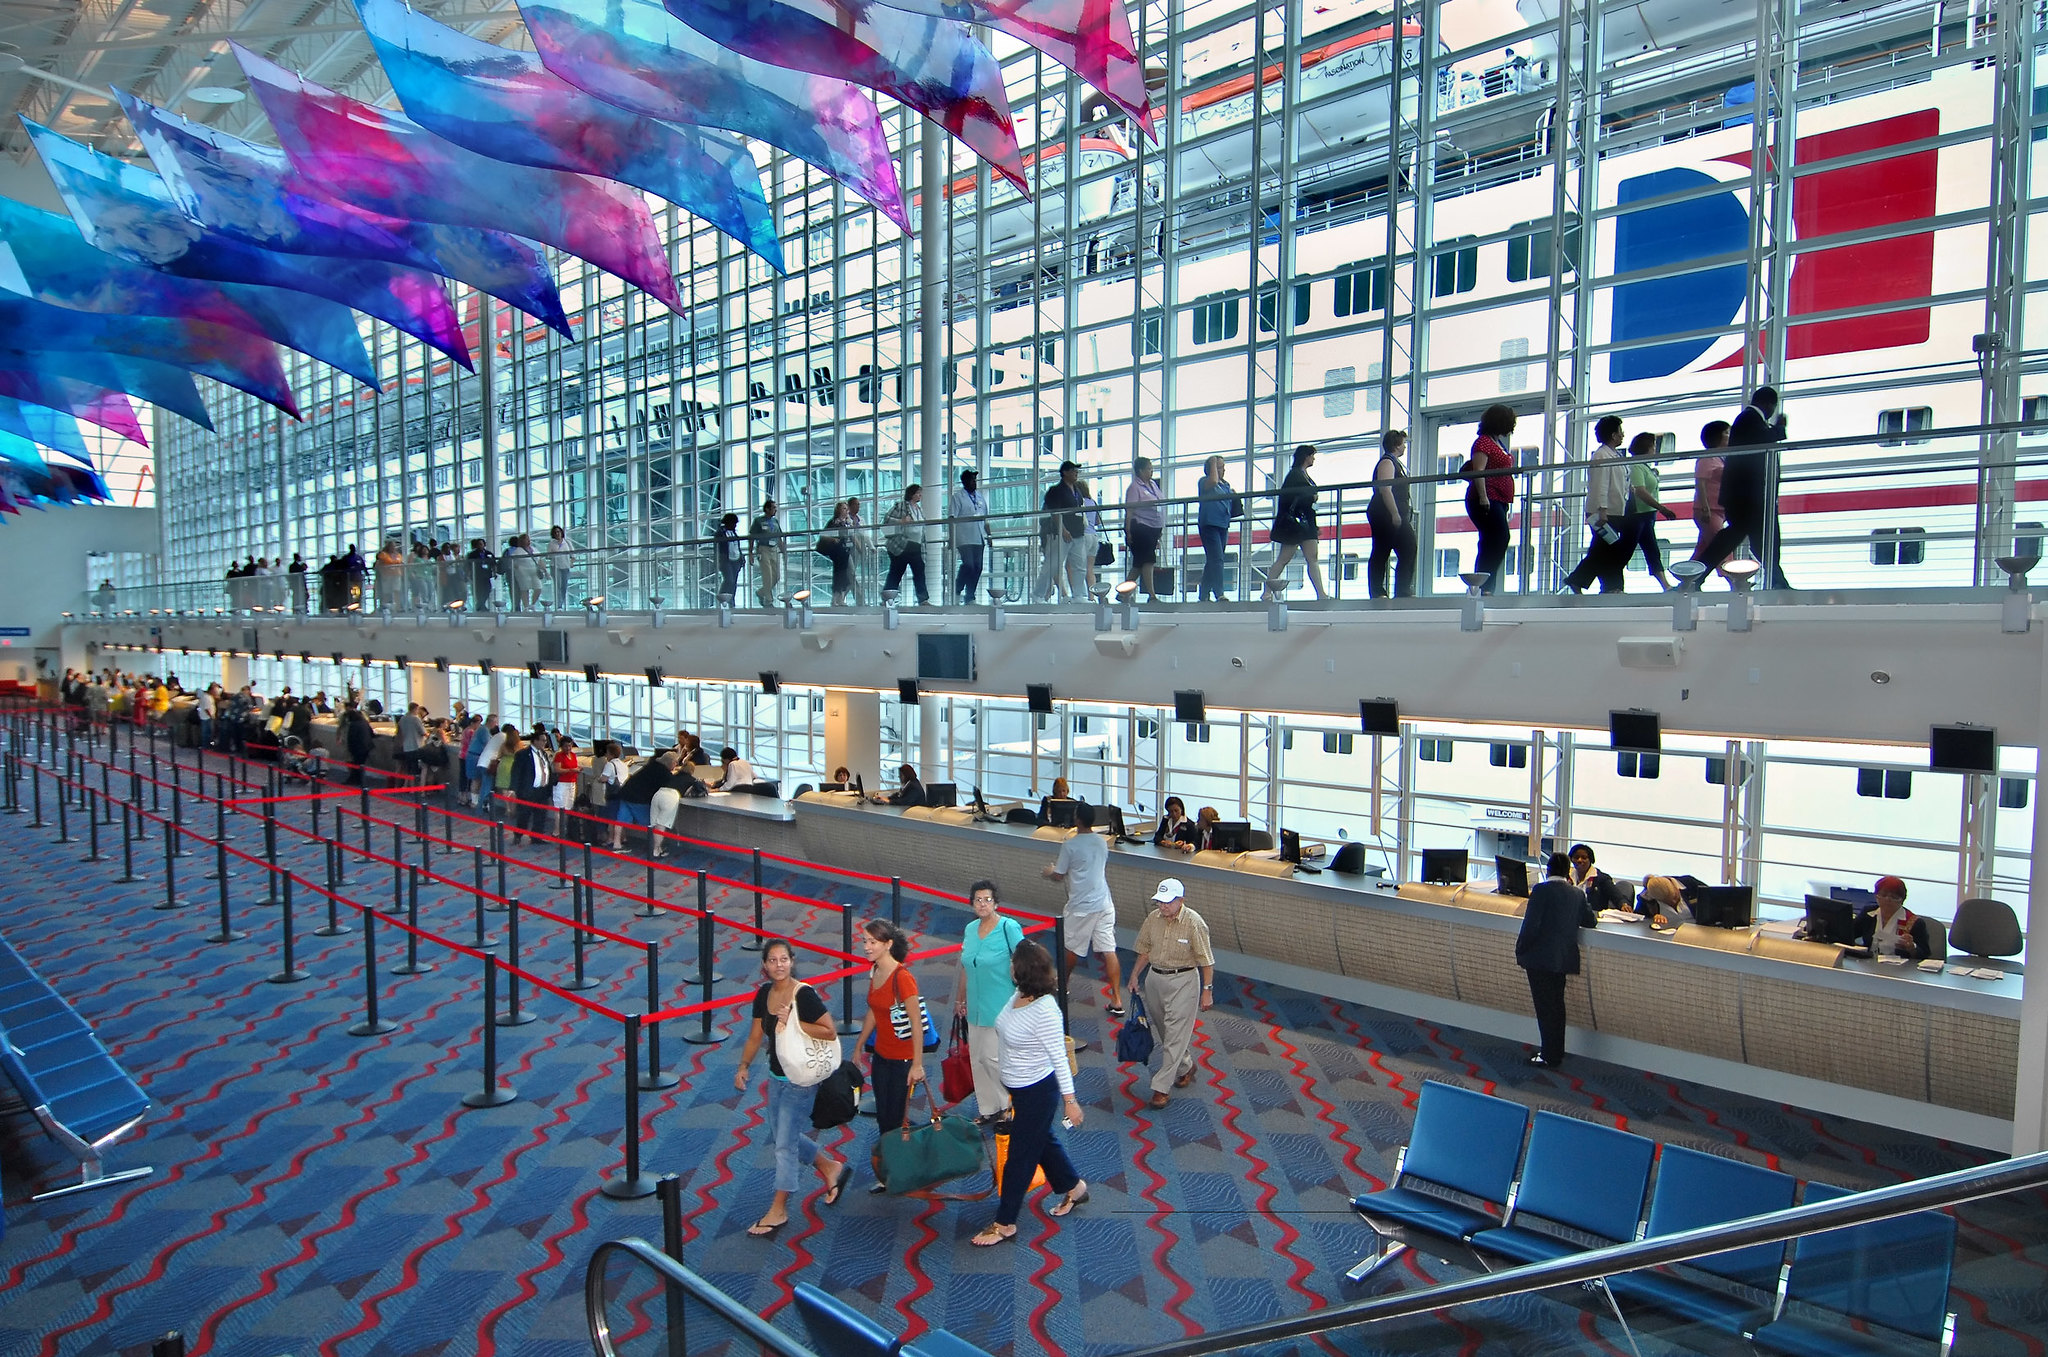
(766, 535)
(969, 511)
(1083, 864)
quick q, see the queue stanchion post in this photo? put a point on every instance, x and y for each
(106, 787)
(170, 900)
(270, 888)
(372, 1024)
(632, 1183)
(484, 939)
(334, 927)
(846, 946)
(499, 856)
(494, 1093)
(578, 944)
(92, 831)
(706, 917)
(220, 837)
(707, 980)
(514, 1015)
(653, 1079)
(896, 901)
(35, 791)
(759, 937)
(135, 799)
(1059, 961)
(363, 807)
(64, 812)
(562, 877)
(315, 805)
(419, 829)
(220, 874)
(397, 891)
(178, 816)
(647, 909)
(669, 1187)
(127, 846)
(288, 973)
(9, 801)
(412, 965)
(340, 845)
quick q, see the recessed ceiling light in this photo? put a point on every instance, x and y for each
(214, 94)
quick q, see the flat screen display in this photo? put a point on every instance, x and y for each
(1444, 866)
(771, 682)
(906, 692)
(1189, 706)
(1379, 716)
(1639, 731)
(1038, 696)
(945, 656)
(1513, 876)
(554, 647)
(1962, 749)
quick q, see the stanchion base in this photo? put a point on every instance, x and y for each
(95, 857)
(697, 981)
(587, 982)
(288, 977)
(627, 1189)
(332, 930)
(752, 945)
(231, 935)
(39, 823)
(67, 838)
(174, 904)
(128, 880)
(372, 1029)
(215, 876)
(562, 885)
(695, 1039)
(497, 1097)
(654, 1083)
(413, 968)
(182, 853)
(650, 912)
(487, 943)
(518, 1017)
(493, 907)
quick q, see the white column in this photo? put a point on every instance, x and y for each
(2030, 1092)
(853, 733)
(931, 252)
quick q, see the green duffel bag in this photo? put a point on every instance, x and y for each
(917, 1157)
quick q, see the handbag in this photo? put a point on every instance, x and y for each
(956, 1071)
(1000, 1133)
(1134, 1038)
(1236, 507)
(806, 1060)
(899, 1022)
(939, 1151)
(1105, 554)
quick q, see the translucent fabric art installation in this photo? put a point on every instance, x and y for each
(43, 256)
(88, 404)
(387, 163)
(508, 106)
(635, 54)
(234, 357)
(932, 65)
(47, 428)
(26, 479)
(1091, 38)
(26, 374)
(251, 192)
(129, 212)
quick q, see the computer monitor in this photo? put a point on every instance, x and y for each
(1038, 696)
(1830, 920)
(1379, 716)
(1512, 874)
(1444, 866)
(1962, 749)
(1635, 731)
(1855, 895)
(834, 787)
(1232, 836)
(1062, 813)
(1189, 706)
(941, 795)
(1724, 906)
(1290, 845)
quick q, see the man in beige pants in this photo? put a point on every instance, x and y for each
(1179, 974)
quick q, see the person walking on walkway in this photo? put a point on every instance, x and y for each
(1217, 505)
(1548, 949)
(1490, 492)
(903, 540)
(1083, 864)
(1040, 1083)
(1063, 536)
(1179, 972)
(781, 1001)
(1607, 498)
(1706, 485)
(1748, 484)
(985, 987)
(1144, 524)
(896, 1060)
(1391, 515)
(1639, 527)
(766, 535)
(1294, 527)
(969, 512)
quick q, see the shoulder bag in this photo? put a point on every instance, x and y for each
(899, 1021)
(956, 1071)
(1134, 1038)
(806, 1060)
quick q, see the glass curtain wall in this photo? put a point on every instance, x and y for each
(1354, 217)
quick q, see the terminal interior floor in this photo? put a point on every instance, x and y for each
(321, 1193)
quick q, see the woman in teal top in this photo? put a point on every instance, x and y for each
(985, 987)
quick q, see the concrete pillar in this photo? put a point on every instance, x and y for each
(853, 733)
(429, 688)
(931, 251)
(234, 672)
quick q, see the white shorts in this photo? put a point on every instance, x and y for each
(661, 811)
(1090, 933)
(565, 796)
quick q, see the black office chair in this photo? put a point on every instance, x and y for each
(1985, 929)
(802, 787)
(1020, 815)
(1350, 859)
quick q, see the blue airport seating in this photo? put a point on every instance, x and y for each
(1867, 1290)
(1695, 1190)
(65, 1077)
(1464, 1143)
(839, 1330)
(1579, 1175)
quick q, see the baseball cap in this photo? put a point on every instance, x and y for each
(1169, 889)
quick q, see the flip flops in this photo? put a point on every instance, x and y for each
(839, 1182)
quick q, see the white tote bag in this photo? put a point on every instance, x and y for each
(806, 1060)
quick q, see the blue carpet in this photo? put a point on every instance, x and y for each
(319, 1193)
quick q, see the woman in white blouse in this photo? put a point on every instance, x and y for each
(1033, 1066)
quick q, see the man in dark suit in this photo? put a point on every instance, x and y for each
(1748, 483)
(533, 772)
(1548, 949)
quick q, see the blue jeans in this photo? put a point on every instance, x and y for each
(1214, 540)
(789, 1112)
(969, 578)
(1034, 1144)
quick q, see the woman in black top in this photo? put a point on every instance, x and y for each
(783, 1000)
(909, 791)
(1392, 516)
(1294, 526)
(1175, 829)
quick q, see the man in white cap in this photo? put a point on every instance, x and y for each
(1179, 974)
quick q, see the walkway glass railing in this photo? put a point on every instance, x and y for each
(641, 1303)
(2000, 1261)
(1927, 508)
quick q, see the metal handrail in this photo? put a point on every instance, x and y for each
(751, 1325)
(1862, 1208)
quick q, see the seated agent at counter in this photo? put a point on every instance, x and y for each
(1892, 929)
(909, 791)
(1667, 900)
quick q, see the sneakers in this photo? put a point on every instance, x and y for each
(1115, 1010)
(1538, 1062)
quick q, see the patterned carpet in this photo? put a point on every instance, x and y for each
(320, 1193)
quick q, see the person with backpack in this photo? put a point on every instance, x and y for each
(778, 1003)
(985, 986)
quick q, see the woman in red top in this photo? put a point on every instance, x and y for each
(565, 781)
(1490, 494)
(895, 1062)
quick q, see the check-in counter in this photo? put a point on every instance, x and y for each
(1744, 996)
